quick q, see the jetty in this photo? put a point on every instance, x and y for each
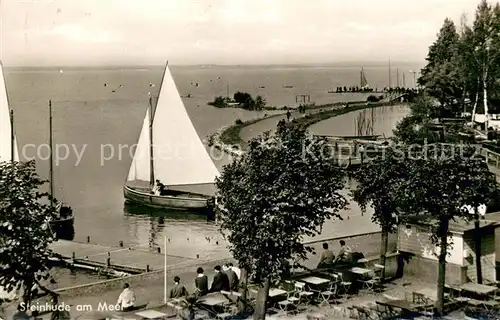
(121, 259)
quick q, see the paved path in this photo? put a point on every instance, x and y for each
(249, 132)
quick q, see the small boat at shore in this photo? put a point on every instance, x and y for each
(170, 150)
(63, 225)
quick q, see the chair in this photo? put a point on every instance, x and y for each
(377, 270)
(327, 295)
(345, 285)
(302, 293)
(291, 301)
(223, 316)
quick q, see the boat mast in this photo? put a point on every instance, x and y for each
(390, 84)
(151, 154)
(397, 77)
(151, 121)
(12, 139)
(51, 155)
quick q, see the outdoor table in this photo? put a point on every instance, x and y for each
(480, 289)
(274, 292)
(315, 280)
(151, 314)
(212, 301)
(360, 271)
(429, 293)
(404, 305)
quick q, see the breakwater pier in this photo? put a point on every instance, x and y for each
(120, 259)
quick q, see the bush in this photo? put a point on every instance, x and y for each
(372, 98)
(238, 121)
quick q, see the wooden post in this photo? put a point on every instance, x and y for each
(108, 261)
(88, 239)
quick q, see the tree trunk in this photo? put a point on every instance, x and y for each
(443, 242)
(485, 101)
(383, 250)
(242, 304)
(260, 304)
(477, 249)
(475, 103)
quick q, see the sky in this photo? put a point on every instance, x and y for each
(149, 32)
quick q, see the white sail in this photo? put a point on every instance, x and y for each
(363, 83)
(5, 125)
(180, 158)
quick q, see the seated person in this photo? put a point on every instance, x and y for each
(345, 254)
(326, 258)
(158, 187)
(201, 283)
(162, 190)
(178, 290)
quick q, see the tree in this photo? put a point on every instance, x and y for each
(417, 127)
(376, 182)
(282, 189)
(219, 102)
(441, 76)
(260, 103)
(436, 190)
(25, 234)
(481, 188)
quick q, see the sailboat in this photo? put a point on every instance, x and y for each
(8, 141)
(363, 83)
(170, 151)
(63, 225)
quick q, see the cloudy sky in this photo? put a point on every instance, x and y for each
(82, 32)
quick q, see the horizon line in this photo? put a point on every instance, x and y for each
(154, 65)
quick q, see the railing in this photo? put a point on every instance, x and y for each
(492, 158)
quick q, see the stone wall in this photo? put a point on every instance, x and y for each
(423, 268)
(368, 244)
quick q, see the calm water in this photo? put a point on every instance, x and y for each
(88, 114)
(376, 121)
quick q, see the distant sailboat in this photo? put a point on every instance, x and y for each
(8, 141)
(170, 150)
(363, 82)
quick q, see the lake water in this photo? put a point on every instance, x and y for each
(87, 114)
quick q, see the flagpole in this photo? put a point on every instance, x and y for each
(165, 271)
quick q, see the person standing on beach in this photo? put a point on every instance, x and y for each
(127, 298)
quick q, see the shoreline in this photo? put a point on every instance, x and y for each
(229, 136)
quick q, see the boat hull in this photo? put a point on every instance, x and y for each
(183, 201)
(64, 228)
